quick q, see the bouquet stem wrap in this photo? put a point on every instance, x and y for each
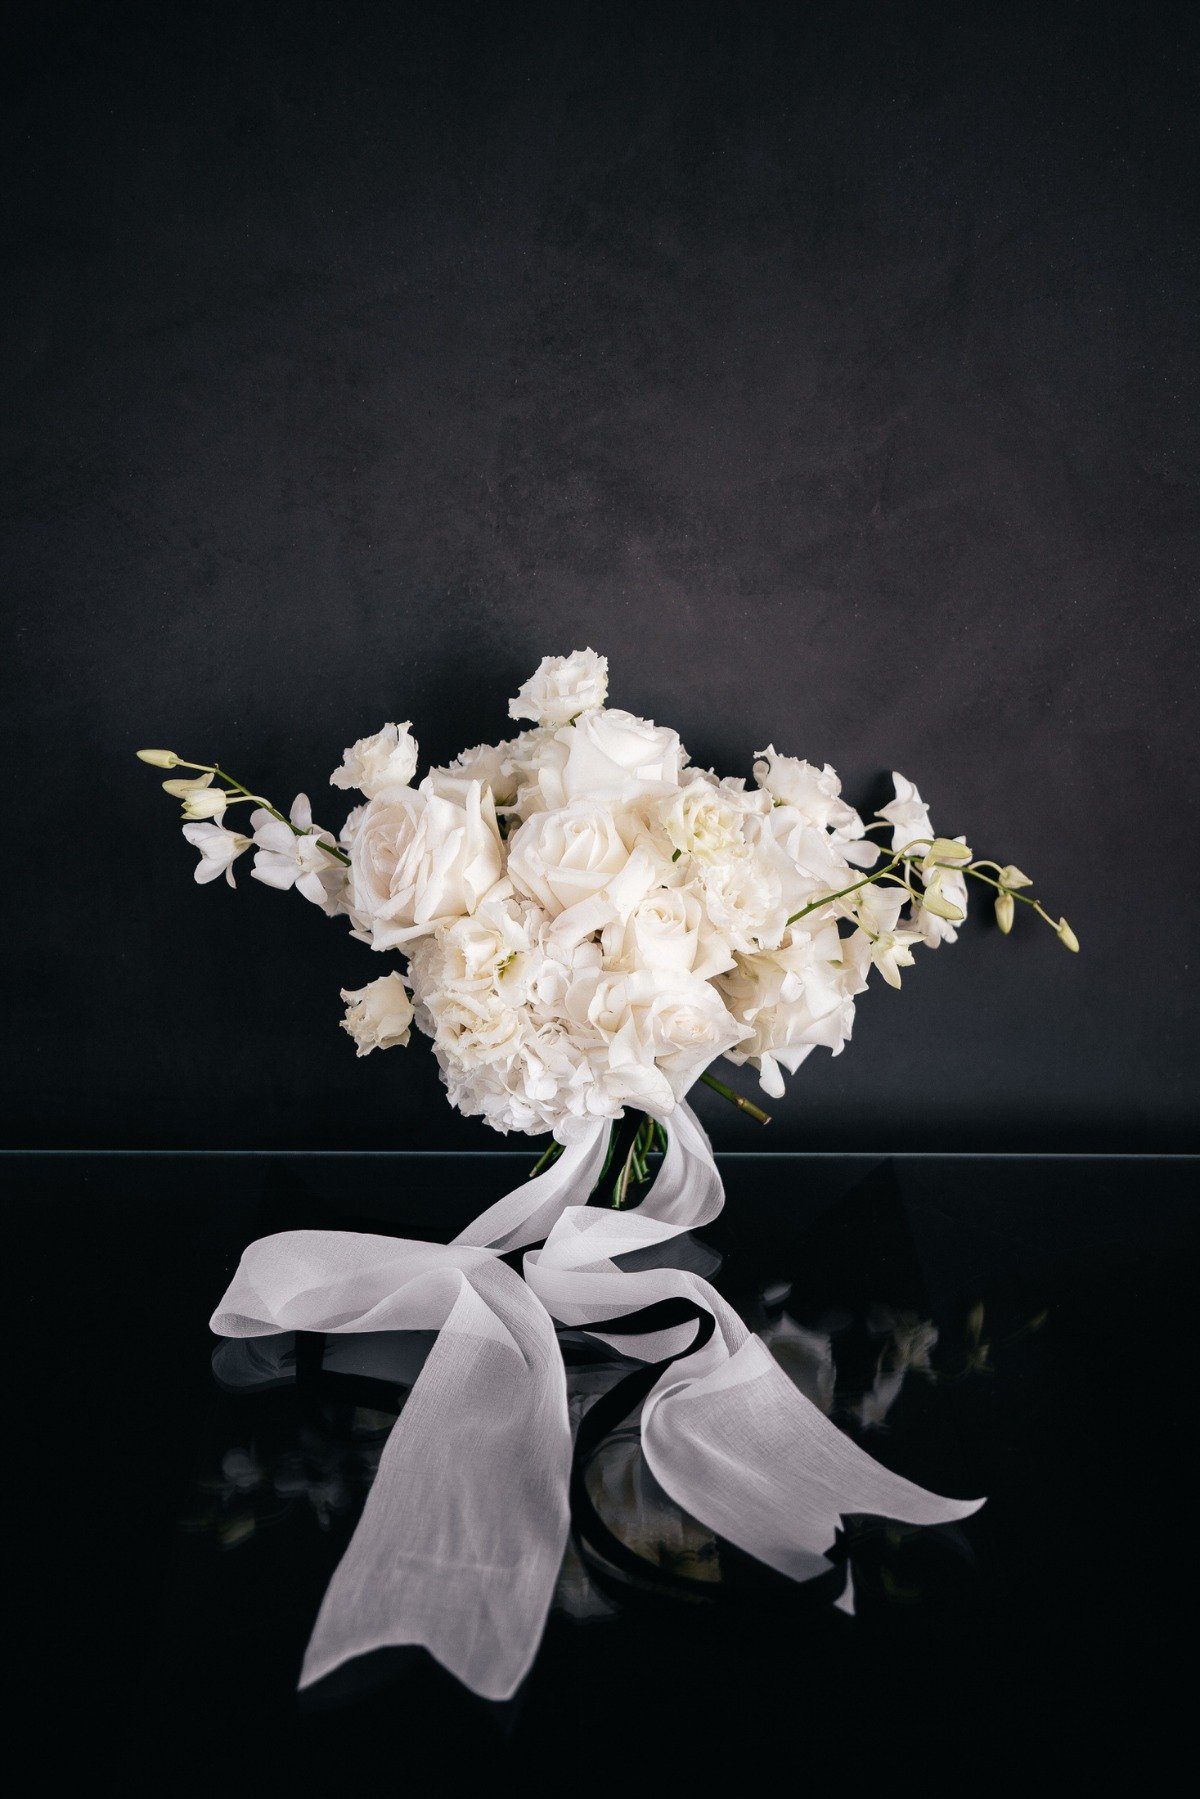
(462, 1535)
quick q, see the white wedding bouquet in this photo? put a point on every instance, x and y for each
(589, 921)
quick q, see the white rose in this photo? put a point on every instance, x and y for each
(417, 861)
(388, 759)
(559, 858)
(613, 755)
(655, 1026)
(688, 1026)
(562, 688)
(667, 930)
(379, 1015)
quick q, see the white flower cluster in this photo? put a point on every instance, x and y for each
(589, 920)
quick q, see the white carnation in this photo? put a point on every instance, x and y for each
(703, 821)
(750, 897)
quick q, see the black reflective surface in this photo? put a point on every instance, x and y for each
(1016, 1327)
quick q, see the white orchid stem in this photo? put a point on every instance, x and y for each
(1026, 899)
(239, 792)
(904, 855)
(887, 873)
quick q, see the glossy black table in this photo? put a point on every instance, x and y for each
(1020, 1327)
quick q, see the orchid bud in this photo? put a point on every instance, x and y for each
(936, 902)
(1005, 908)
(179, 789)
(1067, 935)
(1012, 877)
(944, 849)
(159, 758)
(209, 802)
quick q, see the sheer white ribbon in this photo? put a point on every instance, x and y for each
(463, 1531)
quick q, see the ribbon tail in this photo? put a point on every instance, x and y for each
(745, 1451)
(460, 1541)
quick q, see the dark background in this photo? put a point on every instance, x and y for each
(830, 368)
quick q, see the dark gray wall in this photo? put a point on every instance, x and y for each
(831, 368)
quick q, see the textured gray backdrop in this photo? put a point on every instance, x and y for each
(831, 368)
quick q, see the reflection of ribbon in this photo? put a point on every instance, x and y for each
(463, 1531)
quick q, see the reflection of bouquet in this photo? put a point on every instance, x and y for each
(589, 921)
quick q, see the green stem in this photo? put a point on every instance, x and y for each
(1025, 898)
(902, 855)
(736, 1099)
(550, 1154)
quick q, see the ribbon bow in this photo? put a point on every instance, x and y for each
(463, 1532)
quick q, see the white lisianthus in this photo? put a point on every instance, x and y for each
(219, 850)
(379, 1015)
(490, 764)
(559, 858)
(473, 1024)
(417, 861)
(288, 857)
(815, 793)
(562, 687)
(538, 758)
(388, 759)
(492, 948)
